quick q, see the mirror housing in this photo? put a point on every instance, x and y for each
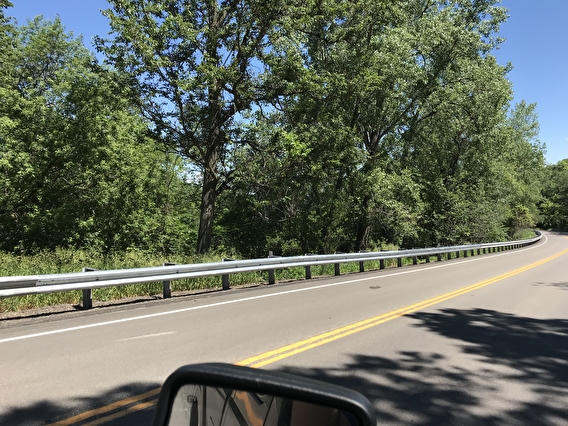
(312, 397)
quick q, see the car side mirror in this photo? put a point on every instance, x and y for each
(229, 395)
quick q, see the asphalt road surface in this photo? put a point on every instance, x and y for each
(477, 340)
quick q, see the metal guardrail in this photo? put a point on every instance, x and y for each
(90, 279)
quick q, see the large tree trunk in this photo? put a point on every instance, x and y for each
(209, 193)
(363, 225)
(208, 197)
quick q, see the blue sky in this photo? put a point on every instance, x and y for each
(536, 44)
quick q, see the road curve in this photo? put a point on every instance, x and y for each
(478, 340)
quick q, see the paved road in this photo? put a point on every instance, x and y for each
(481, 340)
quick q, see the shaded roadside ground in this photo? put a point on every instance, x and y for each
(47, 412)
(516, 374)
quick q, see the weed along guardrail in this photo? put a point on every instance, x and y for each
(90, 279)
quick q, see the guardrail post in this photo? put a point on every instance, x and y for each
(449, 256)
(465, 253)
(88, 292)
(336, 266)
(381, 263)
(439, 257)
(308, 268)
(457, 254)
(414, 260)
(167, 285)
(362, 263)
(271, 276)
(427, 258)
(399, 262)
(225, 277)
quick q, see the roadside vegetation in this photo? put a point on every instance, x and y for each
(231, 129)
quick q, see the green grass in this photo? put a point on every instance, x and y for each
(65, 261)
(523, 234)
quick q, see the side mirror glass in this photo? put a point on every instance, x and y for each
(227, 395)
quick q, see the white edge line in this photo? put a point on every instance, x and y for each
(165, 333)
(248, 299)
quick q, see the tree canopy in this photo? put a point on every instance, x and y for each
(248, 126)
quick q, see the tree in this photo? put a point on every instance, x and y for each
(521, 167)
(554, 206)
(75, 162)
(398, 90)
(198, 66)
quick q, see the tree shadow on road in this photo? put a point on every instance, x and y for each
(561, 285)
(425, 388)
(48, 411)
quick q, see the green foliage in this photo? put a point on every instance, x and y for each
(399, 137)
(197, 68)
(78, 169)
(554, 206)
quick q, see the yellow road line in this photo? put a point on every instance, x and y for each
(330, 336)
(287, 351)
(129, 410)
(110, 407)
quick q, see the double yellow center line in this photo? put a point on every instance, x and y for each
(146, 400)
(126, 406)
(321, 339)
